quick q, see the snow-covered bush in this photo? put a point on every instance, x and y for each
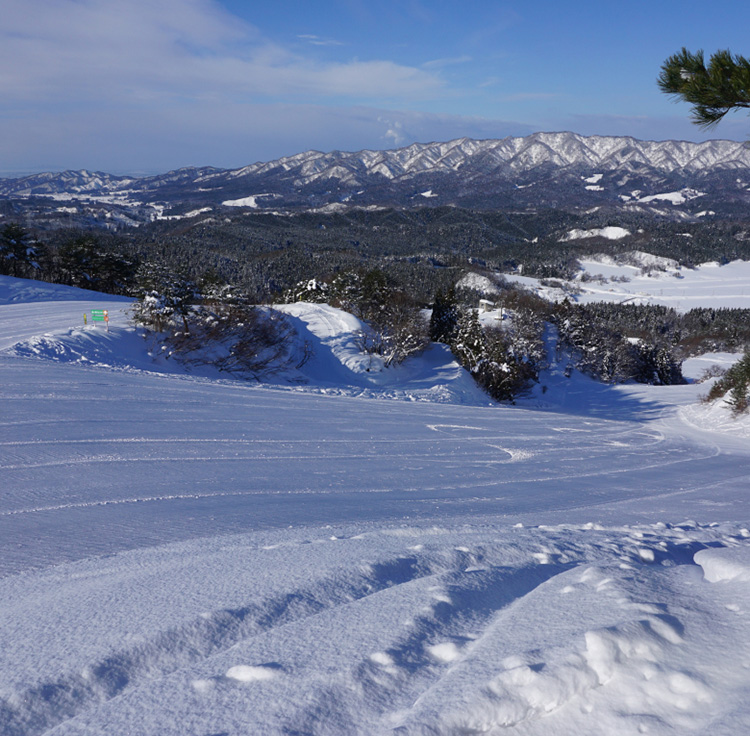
(212, 325)
(468, 342)
(504, 372)
(308, 290)
(504, 361)
(165, 298)
(396, 329)
(242, 339)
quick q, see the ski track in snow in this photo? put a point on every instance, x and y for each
(184, 556)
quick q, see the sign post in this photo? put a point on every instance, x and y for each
(100, 315)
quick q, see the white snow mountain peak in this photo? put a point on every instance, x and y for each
(462, 155)
(558, 149)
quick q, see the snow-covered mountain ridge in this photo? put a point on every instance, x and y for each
(517, 154)
(543, 169)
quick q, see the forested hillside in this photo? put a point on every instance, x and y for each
(386, 265)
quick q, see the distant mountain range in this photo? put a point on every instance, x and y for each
(559, 170)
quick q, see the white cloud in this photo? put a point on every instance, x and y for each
(136, 51)
(318, 41)
(136, 85)
(394, 133)
(452, 61)
(489, 82)
(148, 85)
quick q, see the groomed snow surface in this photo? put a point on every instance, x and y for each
(357, 550)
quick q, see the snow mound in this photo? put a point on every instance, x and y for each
(119, 348)
(251, 673)
(326, 343)
(725, 564)
(336, 363)
(716, 417)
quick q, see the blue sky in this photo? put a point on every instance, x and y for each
(149, 85)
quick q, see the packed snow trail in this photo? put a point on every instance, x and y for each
(139, 459)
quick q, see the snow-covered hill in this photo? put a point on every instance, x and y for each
(185, 555)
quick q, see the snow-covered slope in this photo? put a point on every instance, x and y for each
(188, 556)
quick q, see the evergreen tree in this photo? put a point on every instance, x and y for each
(734, 385)
(83, 262)
(468, 343)
(712, 89)
(374, 295)
(18, 255)
(500, 373)
(656, 364)
(444, 316)
(163, 297)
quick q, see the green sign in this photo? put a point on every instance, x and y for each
(99, 315)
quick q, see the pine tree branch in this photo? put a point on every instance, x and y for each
(714, 89)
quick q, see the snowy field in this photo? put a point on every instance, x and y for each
(355, 550)
(709, 284)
